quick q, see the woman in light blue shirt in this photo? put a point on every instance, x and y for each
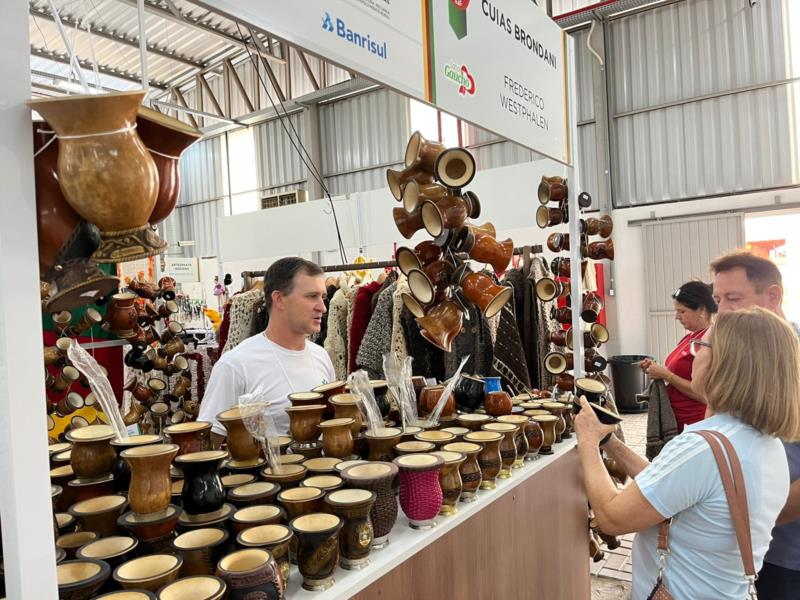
(753, 390)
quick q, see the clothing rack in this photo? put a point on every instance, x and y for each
(248, 276)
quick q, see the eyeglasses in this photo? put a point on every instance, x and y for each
(695, 345)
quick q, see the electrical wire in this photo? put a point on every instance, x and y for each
(298, 144)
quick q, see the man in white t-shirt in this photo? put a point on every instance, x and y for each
(280, 360)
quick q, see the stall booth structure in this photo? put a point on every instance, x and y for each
(526, 538)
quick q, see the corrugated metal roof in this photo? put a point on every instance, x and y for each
(120, 19)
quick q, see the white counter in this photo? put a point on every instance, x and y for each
(404, 542)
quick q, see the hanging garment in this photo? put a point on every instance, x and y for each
(224, 328)
(428, 359)
(525, 327)
(509, 360)
(543, 323)
(319, 338)
(244, 309)
(391, 278)
(474, 340)
(398, 343)
(661, 423)
(336, 340)
(377, 339)
(362, 312)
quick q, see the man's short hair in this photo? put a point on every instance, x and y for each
(761, 272)
(281, 273)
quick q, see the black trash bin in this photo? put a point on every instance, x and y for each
(628, 380)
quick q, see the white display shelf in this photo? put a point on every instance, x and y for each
(404, 542)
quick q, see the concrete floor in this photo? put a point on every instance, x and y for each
(611, 577)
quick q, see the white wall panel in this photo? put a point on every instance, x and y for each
(587, 155)
(697, 47)
(745, 141)
(676, 252)
(202, 171)
(200, 201)
(200, 223)
(369, 179)
(278, 163)
(584, 63)
(672, 143)
(366, 130)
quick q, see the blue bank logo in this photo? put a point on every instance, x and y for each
(357, 38)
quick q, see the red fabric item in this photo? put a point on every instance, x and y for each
(224, 328)
(601, 286)
(110, 358)
(362, 312)
(687, 411)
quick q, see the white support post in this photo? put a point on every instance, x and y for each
(142, 51)
(25, 506)
(76, 65)
(576, 281)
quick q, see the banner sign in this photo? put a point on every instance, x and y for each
(381, 39)
(498, 64)
(183, 270)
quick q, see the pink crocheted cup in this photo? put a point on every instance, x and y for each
(420, 492)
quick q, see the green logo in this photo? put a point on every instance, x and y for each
(460, 74)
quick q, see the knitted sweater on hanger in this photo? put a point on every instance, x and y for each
(336, 340)
(243, 317)
(398, 344)
(390, 279)
(362, 312)
(509, 360)
(474, 340)
(377, 339)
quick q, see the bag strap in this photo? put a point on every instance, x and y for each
(735, 492)
(730, 471)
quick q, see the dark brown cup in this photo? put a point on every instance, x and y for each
(317, 548)
(592, 305)
(377, 477)
(602, 226)
(250, 573)
(276, 539)
(552, 189)
(200, 550)
(550, 217)
(355, 538)
(601, 250)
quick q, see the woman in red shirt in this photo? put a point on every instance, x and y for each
(694, 307)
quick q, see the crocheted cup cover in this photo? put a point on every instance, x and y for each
(420, 494)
